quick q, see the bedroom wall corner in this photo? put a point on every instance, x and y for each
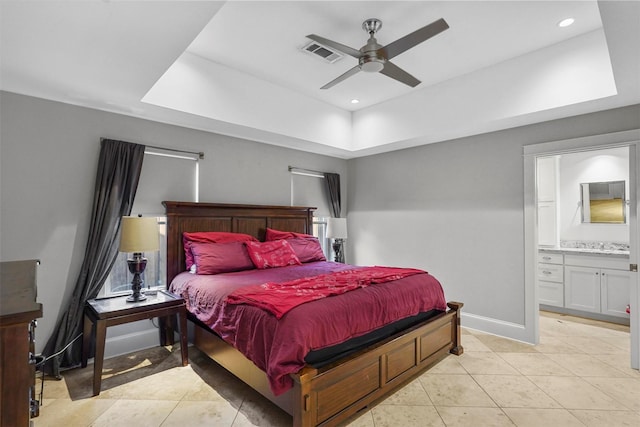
(48, 157)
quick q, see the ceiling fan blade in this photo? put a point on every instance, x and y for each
(337, 46)
(342, 77)
(397, 73)
(410, 40)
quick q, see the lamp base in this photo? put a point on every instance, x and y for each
(338, 250)
(136, 298)
(136, 265)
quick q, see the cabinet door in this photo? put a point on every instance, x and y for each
(547, 225)
(582, 288)
(546, 178)
(615, 292)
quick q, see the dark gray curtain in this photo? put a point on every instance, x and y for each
(119, 169)
(333, 189)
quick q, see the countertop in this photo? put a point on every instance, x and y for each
(587, 251)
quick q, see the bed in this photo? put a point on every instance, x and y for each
(333, 388)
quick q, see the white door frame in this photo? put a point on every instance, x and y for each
(629, 139)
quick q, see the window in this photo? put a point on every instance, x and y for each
(155, 186)
(309, 189)
(320, 231)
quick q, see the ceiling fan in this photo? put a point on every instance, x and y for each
(374, 58)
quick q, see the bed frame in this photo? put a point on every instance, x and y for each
(332, 394)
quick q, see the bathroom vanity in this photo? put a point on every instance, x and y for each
(587, 282)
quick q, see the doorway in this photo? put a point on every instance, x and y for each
(626, 140)
(582, 209)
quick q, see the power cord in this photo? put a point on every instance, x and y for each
(41, 360)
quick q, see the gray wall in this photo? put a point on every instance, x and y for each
(48, 158)
(456, 209)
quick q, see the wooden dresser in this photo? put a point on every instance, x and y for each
(18, 311)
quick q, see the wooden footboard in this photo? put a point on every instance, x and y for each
(334, 393)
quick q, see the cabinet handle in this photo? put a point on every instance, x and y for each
(546, 272)
(546, 257)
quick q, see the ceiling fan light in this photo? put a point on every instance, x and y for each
(372, 66)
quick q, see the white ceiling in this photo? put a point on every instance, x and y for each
(264, 40)
(237, 67)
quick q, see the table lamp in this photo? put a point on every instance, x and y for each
(337, 230)
(138, 234)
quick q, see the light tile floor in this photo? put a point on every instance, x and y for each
(578, 375)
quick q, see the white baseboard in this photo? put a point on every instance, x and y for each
(134, 341)
(501, 328)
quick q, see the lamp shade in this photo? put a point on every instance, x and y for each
(139, 234)
(337, 228)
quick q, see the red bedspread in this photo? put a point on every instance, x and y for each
(280, 298)
(279, 347)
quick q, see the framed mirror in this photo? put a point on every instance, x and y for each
(603, 202)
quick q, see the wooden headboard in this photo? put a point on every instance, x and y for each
(248, 219)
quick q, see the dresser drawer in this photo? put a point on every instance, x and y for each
(551, 272)
(550, 258)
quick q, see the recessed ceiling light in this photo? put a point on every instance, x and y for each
(355, 101)
(566, 22)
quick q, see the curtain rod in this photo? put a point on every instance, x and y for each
(200, 154)
(311, 171)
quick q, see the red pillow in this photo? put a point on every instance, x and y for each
(272, 235)
(307, 249)
(272, 254)
(210, 237)
(215, 258)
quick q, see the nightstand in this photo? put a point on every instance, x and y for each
(99, 314)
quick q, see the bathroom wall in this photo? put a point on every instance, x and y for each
(590, 166)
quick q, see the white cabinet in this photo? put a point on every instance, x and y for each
(547, 224)
(614, 295)
(587, 283)
(550, 279)
(582, 288)
(597, 284)
(546, 173)
(546, 190)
